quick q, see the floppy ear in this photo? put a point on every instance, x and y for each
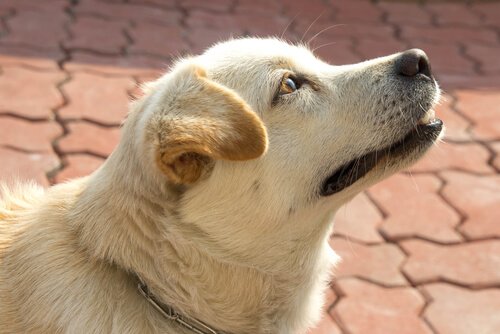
(199, 121)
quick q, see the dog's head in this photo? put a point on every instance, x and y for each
(265, 138)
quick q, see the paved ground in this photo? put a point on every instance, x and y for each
(421, 250)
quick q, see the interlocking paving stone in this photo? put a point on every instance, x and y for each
(20, 166)
(38, 95)
(456, 125)
(453, 14)
(88, 34)
(482, 107)
(489, 11)
(487, 55)
(166, 41)
(78, 165)
(42, 29)
(415, 209)
(98, 98)
(368, 308)
(496, 161)
(13, 133)
(449, 35)
(31, 58)
(134, 12)
(112, 65)
(470, 157)
(359, 220)
(90, 138)
(327, 325)
(405, 13)
(475, 264)
(457, 310)
(376, 263)
(478, 198)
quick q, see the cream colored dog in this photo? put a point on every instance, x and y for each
(219, 197)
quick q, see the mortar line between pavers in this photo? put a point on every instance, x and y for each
(14, 114)
(428, 300)
(396, 29)
(22, 150)
(66, 101)
(3, 21)
(451, 169)
(331, 310)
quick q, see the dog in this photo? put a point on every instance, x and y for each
(213, 213)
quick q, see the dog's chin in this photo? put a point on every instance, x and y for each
(384, 161)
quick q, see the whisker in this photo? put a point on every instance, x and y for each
(310, 26)
(323, 45)
(288, 26)
(322, 31)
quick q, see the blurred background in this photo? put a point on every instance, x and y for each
(421, 250)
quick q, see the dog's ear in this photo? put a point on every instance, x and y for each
(199, 121)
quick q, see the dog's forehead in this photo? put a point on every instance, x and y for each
(258, 54)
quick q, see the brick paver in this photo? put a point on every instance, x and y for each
(457, 310)
(421, 249)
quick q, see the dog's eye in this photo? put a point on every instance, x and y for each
(288, 85)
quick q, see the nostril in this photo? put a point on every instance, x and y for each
(412, 62)
(424, 66)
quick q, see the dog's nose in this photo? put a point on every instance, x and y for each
(412, 62)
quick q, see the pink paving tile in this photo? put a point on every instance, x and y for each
(368, 308)
(453, 14)
(38, 96)
(358, 220)
(461, 311)
(490, 12)
(252, 23)
(486, 55)
(48, 5)
(87, 34)
(167, 41)
(337, 53)
(78, 165)
(475, 264)
(377, 48)
(212, 5)
(326, 325)
(30, 58)
(113, 65)
(456, 125)
(20, 166)
(496, 148)
(470, 157)
(98, 98)
(448, 34)
(415, 209)
(478, 198)
(405, 13)
(89, 138)
(376, 263)
(348, 11)
(136, 12)
(37, 29)
(14, 133)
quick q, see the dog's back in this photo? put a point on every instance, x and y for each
(15, 202)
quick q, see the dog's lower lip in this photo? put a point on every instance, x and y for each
(354, 170)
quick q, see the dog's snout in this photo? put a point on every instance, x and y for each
(412, 62)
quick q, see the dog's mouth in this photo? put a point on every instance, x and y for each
(424, 133)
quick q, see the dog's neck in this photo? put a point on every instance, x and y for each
(140, 231)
